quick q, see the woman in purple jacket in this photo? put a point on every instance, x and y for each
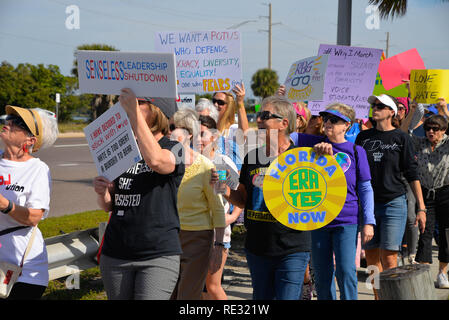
(339, 238)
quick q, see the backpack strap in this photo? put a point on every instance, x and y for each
(9, 230)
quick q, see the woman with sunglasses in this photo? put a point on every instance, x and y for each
(141, 251)
(433, 169)
(201, 213)
(339, 238)
(25, 196)
(391, 156)
(277, 256)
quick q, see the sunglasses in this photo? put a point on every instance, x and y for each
(379, 106)
(219, 102)
(172, 127)
(332, 119)
(266, 115)
(433, 128)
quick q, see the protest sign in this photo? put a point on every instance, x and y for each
(112, 143)
(350, 76)
(397, 68)
(206, 61)
(305, 79)
(186, 100)
(107, 72)
(304, 191)
(426, 86)
(399, 91)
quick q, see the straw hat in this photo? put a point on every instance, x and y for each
(33, 121)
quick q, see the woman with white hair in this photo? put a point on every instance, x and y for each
(201, 212)
(25, 199)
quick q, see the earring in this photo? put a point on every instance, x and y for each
(25, 148)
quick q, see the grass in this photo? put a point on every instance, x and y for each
(90, 284)
(65, 127)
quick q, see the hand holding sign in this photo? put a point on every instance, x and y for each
(304, 191)
(128, 101)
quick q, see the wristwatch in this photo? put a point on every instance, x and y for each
(8, 208)
(423, 210)
(216, 243)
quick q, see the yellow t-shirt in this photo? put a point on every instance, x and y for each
(199, 207)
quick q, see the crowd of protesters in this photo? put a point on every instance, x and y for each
(171, 237)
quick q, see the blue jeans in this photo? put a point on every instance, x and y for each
(341, 241)
(279, 278)
(391, 218)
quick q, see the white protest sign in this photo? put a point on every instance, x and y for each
(187, 100)
(107, 72)
(206, 61)
(112, 143)
(305, 79)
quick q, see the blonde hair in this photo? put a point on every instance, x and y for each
(284, 108)
(158, 120)
(228, 117)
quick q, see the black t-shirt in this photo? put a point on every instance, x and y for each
(265, 235)
(391, 156)
(144, 223)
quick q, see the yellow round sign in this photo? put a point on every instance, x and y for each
(304, 191)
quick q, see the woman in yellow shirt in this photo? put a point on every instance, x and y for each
(201, 212)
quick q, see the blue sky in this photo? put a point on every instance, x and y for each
(34, 31)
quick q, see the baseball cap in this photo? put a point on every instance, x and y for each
(32, 120)
(386, 100)
(167, 105)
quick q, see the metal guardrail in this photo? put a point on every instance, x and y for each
(73, 252)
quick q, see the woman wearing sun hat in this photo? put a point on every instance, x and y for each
(391, 155)
(25, 196)
(339, 238)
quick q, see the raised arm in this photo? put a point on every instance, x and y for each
(160, 160)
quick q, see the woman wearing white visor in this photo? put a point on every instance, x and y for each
(390, 155)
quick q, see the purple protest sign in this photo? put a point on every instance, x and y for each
(350, 77)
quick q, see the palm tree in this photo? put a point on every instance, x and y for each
(392, 8)
(264, 83)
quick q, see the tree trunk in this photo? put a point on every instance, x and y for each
(410, 282)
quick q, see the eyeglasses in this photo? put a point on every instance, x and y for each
(433, 128)
(379, 106)
(332, 119)
(401, 109)
(219, 102)
(266, 115)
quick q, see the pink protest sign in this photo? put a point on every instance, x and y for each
(397, 68)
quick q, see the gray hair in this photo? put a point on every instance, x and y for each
(284, 108)
(206, 104)
(50, 129)
(188, 119)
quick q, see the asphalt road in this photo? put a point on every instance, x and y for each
(72, 169)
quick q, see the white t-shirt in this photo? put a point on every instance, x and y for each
(27, 184)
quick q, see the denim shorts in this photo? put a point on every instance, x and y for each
(391, 218)
(227, 245)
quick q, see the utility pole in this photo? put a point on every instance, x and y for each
(269, 36)
(344, 22)
(270, 24)
(387, 44)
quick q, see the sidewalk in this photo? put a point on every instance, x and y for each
(237, 280)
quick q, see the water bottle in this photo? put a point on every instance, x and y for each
(220, 185)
